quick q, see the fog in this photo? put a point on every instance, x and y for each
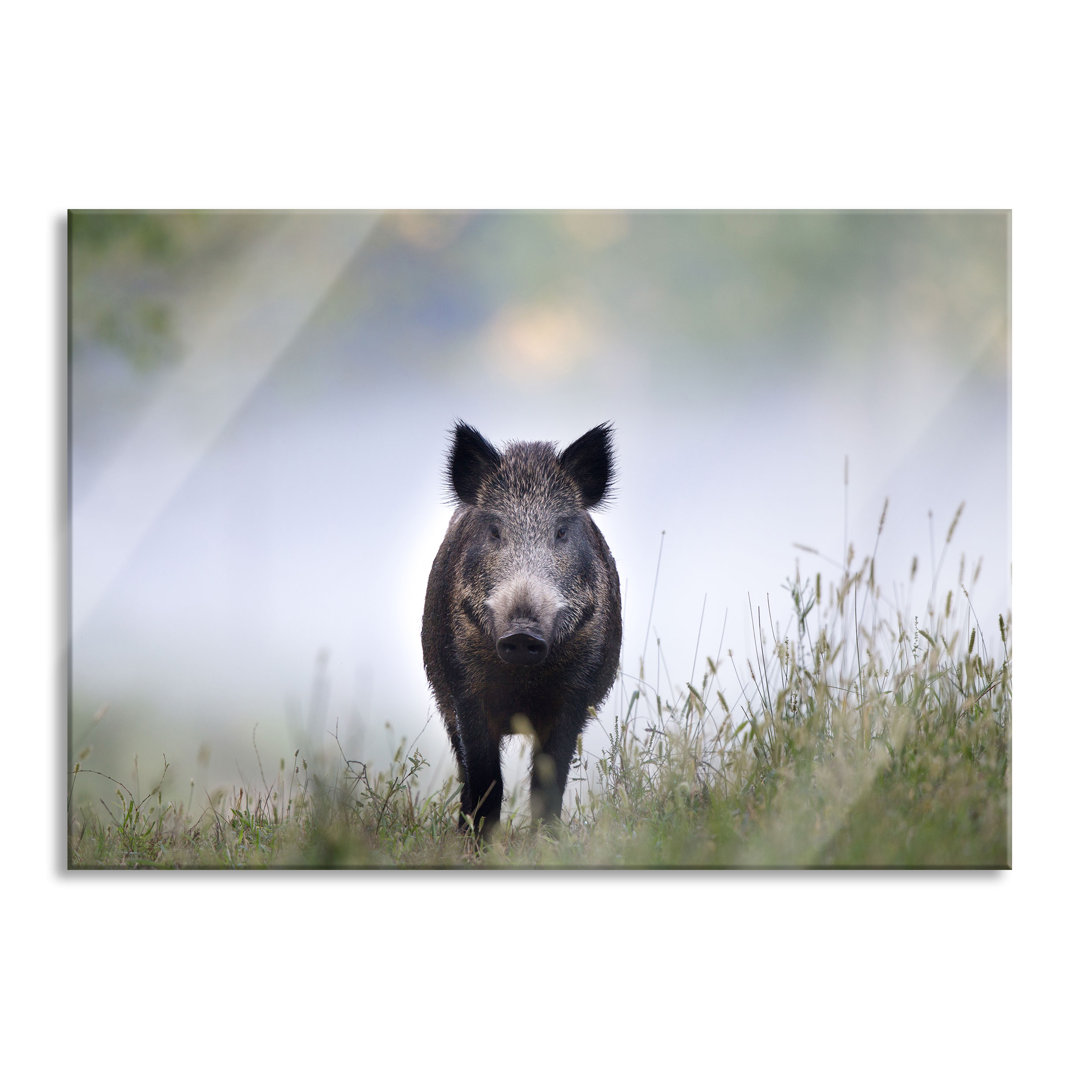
(260, 407)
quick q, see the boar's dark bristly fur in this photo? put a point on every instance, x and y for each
(522, 621)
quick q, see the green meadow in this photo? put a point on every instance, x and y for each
(856, 733)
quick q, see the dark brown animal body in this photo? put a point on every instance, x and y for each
(522, 622)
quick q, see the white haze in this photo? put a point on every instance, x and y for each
(251, 537)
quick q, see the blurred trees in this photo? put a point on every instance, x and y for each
(772, 286)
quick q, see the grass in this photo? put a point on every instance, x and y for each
(855, 735)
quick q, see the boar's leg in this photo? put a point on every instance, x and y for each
(481, 795)
(550, 768)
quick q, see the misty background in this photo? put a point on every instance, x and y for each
(259, 415)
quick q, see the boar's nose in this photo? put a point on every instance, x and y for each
(522, 647)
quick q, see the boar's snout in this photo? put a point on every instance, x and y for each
(524, 611)
(525, 647)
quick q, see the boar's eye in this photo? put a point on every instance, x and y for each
(493, 532)
(560, 533)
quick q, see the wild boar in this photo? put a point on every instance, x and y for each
(522, 621)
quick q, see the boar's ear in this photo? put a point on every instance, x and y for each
(589, 461)
(472, 457)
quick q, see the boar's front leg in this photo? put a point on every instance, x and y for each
(551, 767)
(481, 795)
